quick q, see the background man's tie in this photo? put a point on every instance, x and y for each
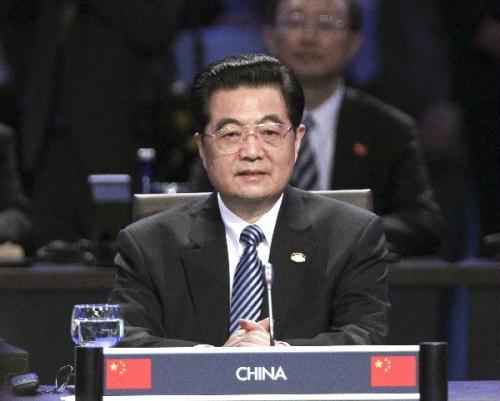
(305, 174)
(248, 284)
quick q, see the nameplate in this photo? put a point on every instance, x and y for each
(281, 373)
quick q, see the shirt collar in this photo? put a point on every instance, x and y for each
(234, 224)
(330, 106)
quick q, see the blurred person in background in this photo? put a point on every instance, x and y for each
(372, 145)
(82, 110)
(15, 223)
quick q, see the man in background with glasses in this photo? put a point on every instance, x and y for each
(356, 141)
(193, 275)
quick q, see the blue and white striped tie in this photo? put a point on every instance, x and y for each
(305, 174)
(248, 284)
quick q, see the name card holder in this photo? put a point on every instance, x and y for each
(355, 373)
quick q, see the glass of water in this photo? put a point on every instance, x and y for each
(96, 325)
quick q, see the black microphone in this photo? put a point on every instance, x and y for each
(268, 276)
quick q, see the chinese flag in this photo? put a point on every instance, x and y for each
(128, 374)
(393, 371)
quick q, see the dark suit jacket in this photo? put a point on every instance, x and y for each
(15, 224)
(377, 148)
(173, 280)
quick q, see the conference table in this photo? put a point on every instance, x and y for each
(432, 300)
(457, 391)
(404, 272)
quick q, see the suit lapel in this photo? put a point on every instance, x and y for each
(206, 266)
(291, 236)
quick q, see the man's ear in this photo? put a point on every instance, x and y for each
(299, 135)
(269, 36)
(356, 42)
(201, 148)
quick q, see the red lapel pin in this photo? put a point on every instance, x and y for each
(360, 149)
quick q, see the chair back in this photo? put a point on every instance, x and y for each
(148, 204)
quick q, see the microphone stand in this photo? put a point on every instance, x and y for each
(268, 276)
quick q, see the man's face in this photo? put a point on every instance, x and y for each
(312, 37)
(254, 173)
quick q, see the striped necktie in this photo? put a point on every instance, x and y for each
(248, 284)
(305, 174)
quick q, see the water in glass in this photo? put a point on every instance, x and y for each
(99, 325)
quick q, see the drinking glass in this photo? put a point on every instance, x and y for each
(96, 325)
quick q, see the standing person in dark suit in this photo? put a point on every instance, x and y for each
(179, 272)
(81, 104)
(15, 224)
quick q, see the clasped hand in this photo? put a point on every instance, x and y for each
(251, 334)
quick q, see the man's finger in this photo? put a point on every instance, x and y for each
(265, 323)
(249, 325)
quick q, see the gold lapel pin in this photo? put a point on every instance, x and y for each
(298, 257)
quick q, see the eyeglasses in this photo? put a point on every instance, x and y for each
(229, 139)
(298, 21)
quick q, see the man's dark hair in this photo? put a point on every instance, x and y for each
(353, 7)
(251, 70)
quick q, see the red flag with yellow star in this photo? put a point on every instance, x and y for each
(393, 371)
(128, 374)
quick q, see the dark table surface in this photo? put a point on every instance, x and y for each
(457, 391)
(406, 272)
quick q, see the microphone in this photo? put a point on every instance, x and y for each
(268, 276)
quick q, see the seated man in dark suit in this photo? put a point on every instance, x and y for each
(193, 274)
(355, 140)
(15, 225)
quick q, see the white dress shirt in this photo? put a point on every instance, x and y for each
(234, 225)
